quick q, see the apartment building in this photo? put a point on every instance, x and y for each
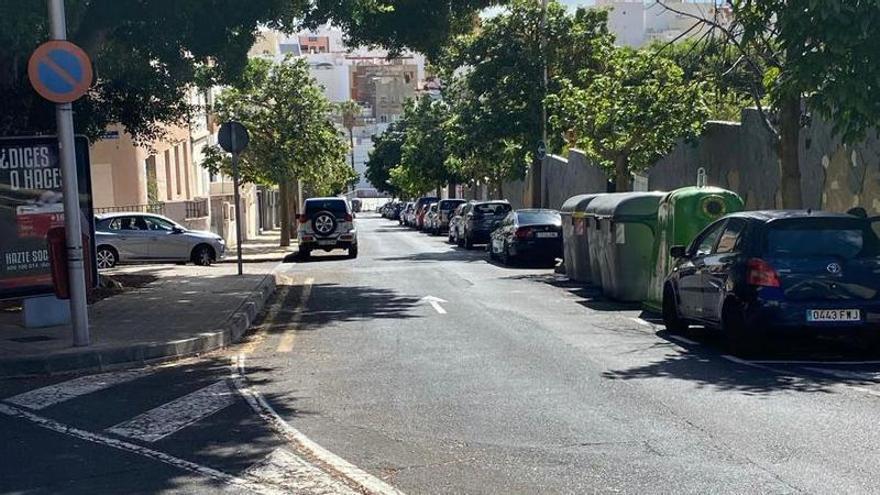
(637, 23)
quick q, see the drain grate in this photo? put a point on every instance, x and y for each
(32, 338)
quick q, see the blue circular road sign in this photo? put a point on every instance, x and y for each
(60, 71)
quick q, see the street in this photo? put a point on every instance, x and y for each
(433, 371)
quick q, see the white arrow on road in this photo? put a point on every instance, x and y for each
(435, 303)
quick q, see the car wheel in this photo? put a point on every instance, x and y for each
(353, 252)
(106, 257)
(203, 255)
(671, 319)
(737, 337)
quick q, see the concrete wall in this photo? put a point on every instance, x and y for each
(742, 157)
(563, 178)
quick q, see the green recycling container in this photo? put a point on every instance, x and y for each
(576, 253)
(625, 225)
(682, 215)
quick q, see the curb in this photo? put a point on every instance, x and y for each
(145, 353)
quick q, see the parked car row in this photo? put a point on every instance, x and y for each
(508, 235)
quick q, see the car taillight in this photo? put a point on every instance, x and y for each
(762, 274)
(348, 217)
(523, 233)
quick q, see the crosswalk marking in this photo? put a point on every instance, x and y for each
(176, 415)
(286, 470)
(44, 397)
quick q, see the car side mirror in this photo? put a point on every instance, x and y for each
(177, 230)
(678, 252)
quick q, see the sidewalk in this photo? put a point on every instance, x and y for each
(263, 248)
(175, 311)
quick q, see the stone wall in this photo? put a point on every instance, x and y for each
(742, 157)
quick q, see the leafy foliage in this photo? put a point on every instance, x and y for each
(631, 113)
(421, 25)
(289, 121)
(146, 56)
(496, 93)
(425, 148)
(387, 154)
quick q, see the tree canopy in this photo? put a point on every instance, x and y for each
(146, 56)
(630, 113)
(386, 155)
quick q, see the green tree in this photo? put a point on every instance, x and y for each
(811, 56)
(425, 148)
(425, 26)
(146, 56)
(495, 89)
(386, 155)
(292, 134)
(631, 113)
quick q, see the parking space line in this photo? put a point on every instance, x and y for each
(287, 470)
(44, 397)
(285, 344)
(176, 415)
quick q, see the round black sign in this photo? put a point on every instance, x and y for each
(233, 137)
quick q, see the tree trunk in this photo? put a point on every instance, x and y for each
(450, 191)
(789, 153)
(284, 192)
(499, 189)
(622, 176)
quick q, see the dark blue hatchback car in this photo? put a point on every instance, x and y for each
(752, 273)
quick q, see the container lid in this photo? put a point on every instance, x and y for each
(626, 206)
(578, 203)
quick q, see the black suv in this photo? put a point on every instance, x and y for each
(479, 220)
(327, 223)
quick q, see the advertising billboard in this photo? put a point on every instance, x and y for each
(31, 203)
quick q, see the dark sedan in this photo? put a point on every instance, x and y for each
(527, 235)
(478, 221)
(755, 272)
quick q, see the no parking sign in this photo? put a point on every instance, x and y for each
(60, 71)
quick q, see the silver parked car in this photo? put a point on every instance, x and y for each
(143, 237)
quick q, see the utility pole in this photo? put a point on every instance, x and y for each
(73, 227)
(537, 163)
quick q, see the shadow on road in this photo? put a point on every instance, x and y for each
(458, 254)
(333, 303)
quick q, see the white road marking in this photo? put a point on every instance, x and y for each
(44, 397)
(176, 415)
(137, 449)
(683, 340)
(284, 469)
(285, 344)
(435, 303)
(367, 482)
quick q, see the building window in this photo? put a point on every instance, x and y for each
(177, 169)
(168, 191)
(152, 182)
(383, 119)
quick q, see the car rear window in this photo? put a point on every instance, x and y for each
(336, 206)
(496, 209)
(450, 205)
(842, 238)
(538, 217)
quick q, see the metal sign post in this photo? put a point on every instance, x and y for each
(234, 138)
(62, 73)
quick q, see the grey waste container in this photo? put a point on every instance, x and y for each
(574, 237)
(626, 225)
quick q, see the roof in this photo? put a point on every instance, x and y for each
(327, 198)
(113, 214)
(770, 215)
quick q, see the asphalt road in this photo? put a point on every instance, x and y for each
(504, 380)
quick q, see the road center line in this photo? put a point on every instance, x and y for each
(285, 344)
(177, 462)
(176, 415)
(44, 397)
